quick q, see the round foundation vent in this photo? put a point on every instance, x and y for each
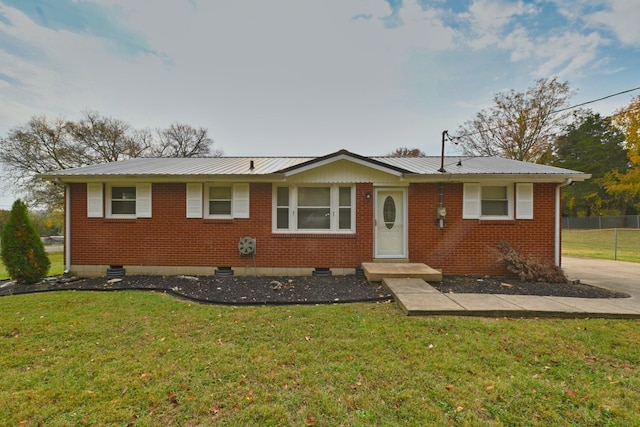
(247, 245)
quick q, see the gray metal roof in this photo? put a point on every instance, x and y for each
(461, 165)
(416, 167)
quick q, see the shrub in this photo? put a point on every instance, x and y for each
(528, 268)
(22, 250)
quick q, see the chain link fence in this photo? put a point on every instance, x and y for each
(601, 222)
(608, 237)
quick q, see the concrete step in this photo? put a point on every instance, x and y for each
(376, 271)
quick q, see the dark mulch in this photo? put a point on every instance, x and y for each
(228, 290)
(511, 286)
(300, 289)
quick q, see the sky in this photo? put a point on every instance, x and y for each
(307, 77)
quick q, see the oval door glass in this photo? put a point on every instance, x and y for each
(389, 212)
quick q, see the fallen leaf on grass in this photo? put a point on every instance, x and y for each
(449, 387)
(571, 393)
(173, 399)
(488, 388)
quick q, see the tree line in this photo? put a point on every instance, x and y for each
(536, 125)
(47, 144)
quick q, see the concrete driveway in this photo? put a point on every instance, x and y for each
(615, 275)
(416, 297)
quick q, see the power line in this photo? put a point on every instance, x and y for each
(596, 100)
(451, 137)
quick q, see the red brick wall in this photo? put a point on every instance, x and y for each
(468, 246)
(171, 239)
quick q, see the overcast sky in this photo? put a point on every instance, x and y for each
(306, 77)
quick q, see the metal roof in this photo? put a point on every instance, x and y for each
(461, 165)
(416, 167)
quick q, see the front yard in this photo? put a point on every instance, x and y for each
(140, 358)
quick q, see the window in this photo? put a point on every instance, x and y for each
(122, 200)
(314, 208)
(496, 201)
(217, 200)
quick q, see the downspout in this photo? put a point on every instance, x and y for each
(558, 222)
(67, 228)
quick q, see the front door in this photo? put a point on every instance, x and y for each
(391, 223)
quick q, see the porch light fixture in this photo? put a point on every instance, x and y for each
(368, 195)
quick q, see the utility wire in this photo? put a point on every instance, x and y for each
(452, 137)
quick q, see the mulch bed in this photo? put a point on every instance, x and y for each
(259, 290)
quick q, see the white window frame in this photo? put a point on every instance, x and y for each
(198, 200)
(207, 200)
(142, 200)
(334, 209)
(472, 201)
(520, 197)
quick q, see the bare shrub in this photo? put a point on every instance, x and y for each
(528, 268)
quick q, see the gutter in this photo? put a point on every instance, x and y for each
(67, 229)
(558, 220)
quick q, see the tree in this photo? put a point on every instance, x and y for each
(593, 145)
(180, 140)
(407, 152)
(105, 139)
(44, 145)
(520, 125)
(627, 184)
(22, 250)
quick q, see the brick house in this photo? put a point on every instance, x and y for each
(285, 215)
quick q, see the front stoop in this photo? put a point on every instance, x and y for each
(377, 271)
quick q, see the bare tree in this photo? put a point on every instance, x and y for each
(105, 139)
(180, 140)
(519, 125)
(407, 152)
(44, 145)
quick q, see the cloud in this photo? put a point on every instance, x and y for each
(489, 19)
(621, 18)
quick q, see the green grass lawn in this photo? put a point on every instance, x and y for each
(600, 244)
(144, 359)
(57, 265)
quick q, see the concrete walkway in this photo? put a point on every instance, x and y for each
(416, 297)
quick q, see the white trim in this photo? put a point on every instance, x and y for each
(194, 200)
(319, 163)
(67, 229)
(334, 209)
(108, 199)
(95, 200)
(207, 201)
(240, 200)
(558, 222)
(143, 200)
(472, 200)
(524, 200)
(405, 219)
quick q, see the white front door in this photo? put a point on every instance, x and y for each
(391, 223)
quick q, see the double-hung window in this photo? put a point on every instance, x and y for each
(120, 200)
(497, 201)
(314, 209)
(219, 201)
(123, 200)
